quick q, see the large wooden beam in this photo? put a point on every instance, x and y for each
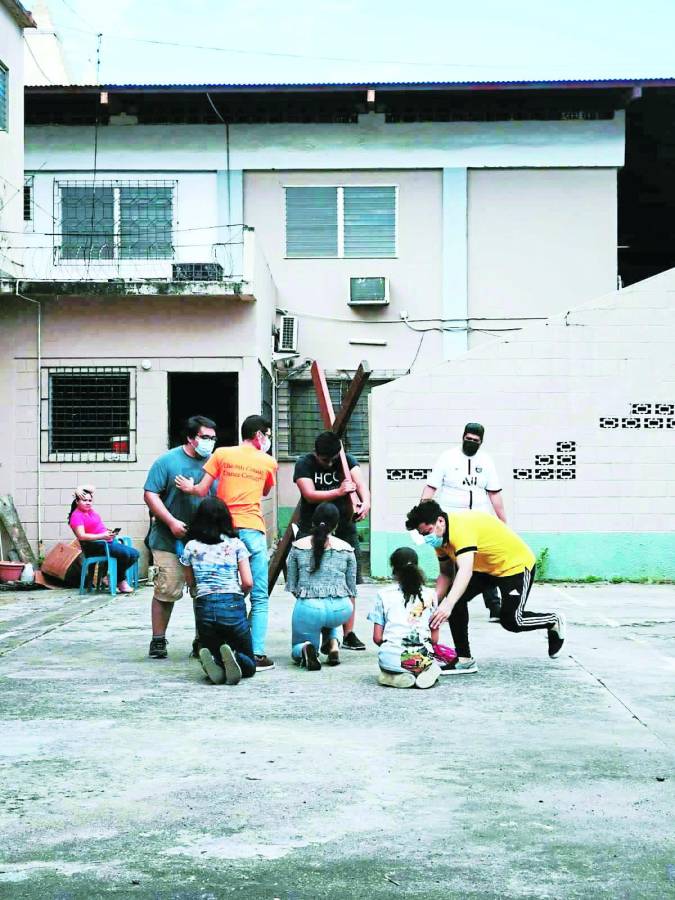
(332, 422)
(328, 417)
(10, 519)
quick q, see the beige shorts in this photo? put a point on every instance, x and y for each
(170, 578)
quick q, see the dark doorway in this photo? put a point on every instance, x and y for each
(212, 394)
(647, 187)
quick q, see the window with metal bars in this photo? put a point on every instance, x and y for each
(305, 419)
(266, 394)
(115, 220)
(88, 414)
(28, 198)
(341, 222)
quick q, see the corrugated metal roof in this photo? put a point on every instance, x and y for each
(363, 85)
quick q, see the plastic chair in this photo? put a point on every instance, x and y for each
(132, 571)
(104, 557)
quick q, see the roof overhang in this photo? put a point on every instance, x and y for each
(21, 16)
(481, 86)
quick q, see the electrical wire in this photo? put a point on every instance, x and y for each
(278, 54)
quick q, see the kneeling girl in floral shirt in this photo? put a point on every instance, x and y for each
(218, 573)
(400, 620)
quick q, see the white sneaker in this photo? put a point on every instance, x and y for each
(213, 671)
(428, 677)
(556, 636)
(396, 679)
(232, 667)
(468, 667)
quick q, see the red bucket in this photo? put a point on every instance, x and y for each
(120, 444)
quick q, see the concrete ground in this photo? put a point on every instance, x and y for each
(123, 776)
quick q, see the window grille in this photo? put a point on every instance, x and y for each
(88, 414)
(267, 394)
(305, 418)
(112, 220)
(4, 89)
(341, 222)
(28, 198)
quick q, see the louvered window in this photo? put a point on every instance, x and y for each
(341, 222)
(4, 79)
(370, 221)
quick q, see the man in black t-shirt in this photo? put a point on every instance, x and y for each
(320, 478)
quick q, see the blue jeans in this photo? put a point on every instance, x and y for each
(312, 615)
(256, 544)
(221, 619)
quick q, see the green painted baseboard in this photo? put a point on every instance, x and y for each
(573, 556)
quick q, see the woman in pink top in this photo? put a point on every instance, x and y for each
(89, 529)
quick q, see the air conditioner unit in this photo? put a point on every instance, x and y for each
(372, 291)
(287, 341)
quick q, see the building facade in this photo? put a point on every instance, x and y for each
(214, 231)
(13, 20)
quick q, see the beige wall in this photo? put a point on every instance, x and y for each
(540, 241)
(176, 334)
(320, 287)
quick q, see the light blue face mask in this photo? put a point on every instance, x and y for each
(434, 540)
(204, 447)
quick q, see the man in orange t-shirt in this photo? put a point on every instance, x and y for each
(245, 475)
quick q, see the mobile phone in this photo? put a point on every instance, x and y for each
(116, 530)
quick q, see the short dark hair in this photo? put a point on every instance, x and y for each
(425, 513)
(252, 425)
(474, 428)
(194, 423)
(327, 444)
(212, 520)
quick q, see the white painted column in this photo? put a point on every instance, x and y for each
(455, 288)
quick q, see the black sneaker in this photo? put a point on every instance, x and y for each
(195, 649)
(310, 660)
(158, 648)
(351, 642)
(495, 612)
(556, 636)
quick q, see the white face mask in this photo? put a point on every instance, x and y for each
(264, 444)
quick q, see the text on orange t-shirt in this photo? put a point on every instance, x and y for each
(244, 474)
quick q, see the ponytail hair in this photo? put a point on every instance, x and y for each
(324, 520)
(405, 569)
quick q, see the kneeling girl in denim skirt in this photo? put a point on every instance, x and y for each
(219, 575)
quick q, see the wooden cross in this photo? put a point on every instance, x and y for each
(332, 422)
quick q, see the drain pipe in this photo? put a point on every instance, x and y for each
(37, 421)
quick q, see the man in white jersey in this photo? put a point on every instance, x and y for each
(466, 478)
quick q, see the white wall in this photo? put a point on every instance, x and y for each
(540, 240)
(11, 146)
(558, 381)
(369, 144)
(318, 289)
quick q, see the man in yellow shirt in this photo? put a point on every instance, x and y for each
(245, 475)
(480, 552)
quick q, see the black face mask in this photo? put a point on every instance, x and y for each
(469, 448)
